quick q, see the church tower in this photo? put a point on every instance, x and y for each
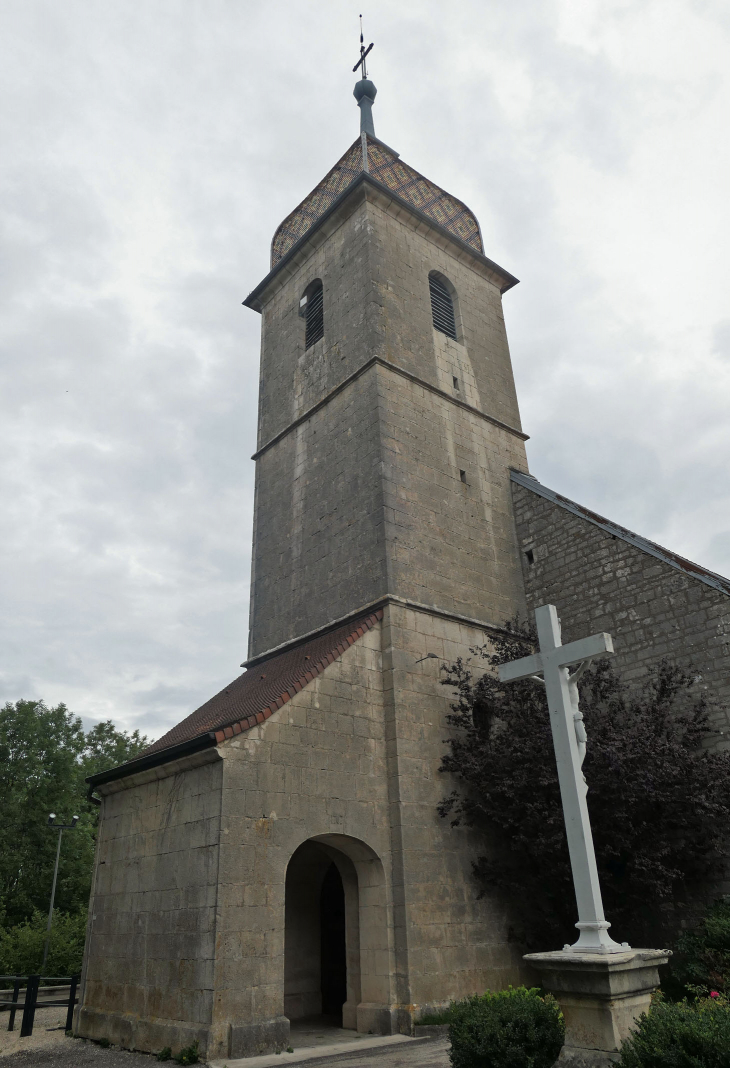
(278, 854)
(388, 417)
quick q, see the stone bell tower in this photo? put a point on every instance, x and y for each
(387, 427)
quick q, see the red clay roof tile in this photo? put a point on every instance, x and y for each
(254, 695)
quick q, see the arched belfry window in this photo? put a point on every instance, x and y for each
(442, 305)
(311, 308)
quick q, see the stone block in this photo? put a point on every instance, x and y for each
(601, 997)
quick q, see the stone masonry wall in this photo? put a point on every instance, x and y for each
(449, 530)
(402, 255)
(454, 942)
(293, 378)
(601, 582)
(317, 767)
(149, 971)
(319, 547)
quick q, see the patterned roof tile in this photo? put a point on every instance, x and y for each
(388, 169)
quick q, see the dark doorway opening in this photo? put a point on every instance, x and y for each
(333, 945)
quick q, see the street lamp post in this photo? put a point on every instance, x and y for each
(61, 828)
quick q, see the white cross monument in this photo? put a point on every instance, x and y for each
(569, 740)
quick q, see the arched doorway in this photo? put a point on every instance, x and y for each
(336, 936)
(333, 944)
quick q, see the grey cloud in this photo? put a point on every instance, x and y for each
(150, 159)
(721, 339)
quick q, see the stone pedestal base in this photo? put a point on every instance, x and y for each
(601, 996)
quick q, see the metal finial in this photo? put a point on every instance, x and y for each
(364, 91)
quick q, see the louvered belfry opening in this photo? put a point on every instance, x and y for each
(314, 315)
(442, 307)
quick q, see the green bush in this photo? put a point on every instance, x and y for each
(21, 946)
(165, 1054)
(514, 1028)
(681, 1035)
(442, 1017)
(702, 957)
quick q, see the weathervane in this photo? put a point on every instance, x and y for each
(363, 53)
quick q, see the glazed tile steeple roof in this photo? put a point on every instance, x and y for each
(370, 155)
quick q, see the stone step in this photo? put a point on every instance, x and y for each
(369, 1045)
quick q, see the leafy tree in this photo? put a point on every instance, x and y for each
(44, 758)
(106, 747)
(659, 803)
(21, 947)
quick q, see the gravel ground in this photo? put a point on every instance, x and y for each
(48, 1046)
(47, 1030)
(74, 1053)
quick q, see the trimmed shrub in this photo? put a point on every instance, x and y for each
(681, 1035)
(437, 1018)
(515, 1028)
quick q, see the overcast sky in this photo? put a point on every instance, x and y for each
(149, 151)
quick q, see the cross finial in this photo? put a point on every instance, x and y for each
(364, 91)
(363, 53)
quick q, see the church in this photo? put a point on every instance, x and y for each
(277, 855)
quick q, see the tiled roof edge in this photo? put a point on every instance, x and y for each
(224, 733)
(300, 205)
(679, 563)
(321, 631)
(211, 738)
(364, 177)
(152, 760)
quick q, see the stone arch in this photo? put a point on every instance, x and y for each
(365, 931)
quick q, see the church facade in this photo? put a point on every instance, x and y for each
(278, 855)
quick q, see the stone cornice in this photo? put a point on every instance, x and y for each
(362, 188)
(394, 369)
(379, 602)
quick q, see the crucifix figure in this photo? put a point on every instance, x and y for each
(569, 739)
